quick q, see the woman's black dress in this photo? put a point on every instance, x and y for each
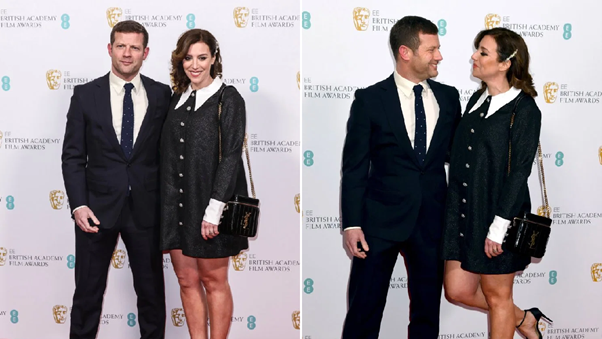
(480, 187)
(191, 173)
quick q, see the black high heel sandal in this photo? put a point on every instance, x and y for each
(538, 315)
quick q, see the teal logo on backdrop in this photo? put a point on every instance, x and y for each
(14, 316)
(306, 20)
(308, 158)
(65, 21)
(10, 202)
(251, 322)
(567, 34)
(553, 277)
(254, 84)
(442, 25)
(308, 286)
(559, 159)
(71, 261)
(131, 320)
(190, 18)
(5, 83)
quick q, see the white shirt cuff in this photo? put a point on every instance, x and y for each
(75, 209)
(353, 228)
(213, 212)
(497, 230)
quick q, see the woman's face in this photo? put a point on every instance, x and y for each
(197, 65)
(485, 65)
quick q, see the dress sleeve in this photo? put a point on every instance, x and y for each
(232, 123)
(525, 138)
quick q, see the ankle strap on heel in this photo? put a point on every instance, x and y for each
(522, 321)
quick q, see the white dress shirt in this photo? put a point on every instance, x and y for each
(138, 97)
(214, 210)
(405, 89)
(117, 93)
(499, 226)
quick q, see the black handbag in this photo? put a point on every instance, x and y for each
(528, 233)
(241, 213)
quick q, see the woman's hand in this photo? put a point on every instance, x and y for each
(492, 248)
(208, 230)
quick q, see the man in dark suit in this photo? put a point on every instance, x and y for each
(111, 171)
(394, 183)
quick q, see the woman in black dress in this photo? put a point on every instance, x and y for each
(195, 184)
(483, 196)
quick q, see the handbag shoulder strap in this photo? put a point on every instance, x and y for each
(520, 97)
(546, 211)
(244, 144)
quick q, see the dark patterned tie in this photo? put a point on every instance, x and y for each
(420, 131)
(127, 122)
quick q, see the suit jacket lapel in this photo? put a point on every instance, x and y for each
(102, 99)
(148, 117)
(393, 112)
(443, 111)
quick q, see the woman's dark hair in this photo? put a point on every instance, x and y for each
(179, 79)
(509, 42)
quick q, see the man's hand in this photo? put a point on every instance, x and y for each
(208, 230)
(81, 219)
(352, 237)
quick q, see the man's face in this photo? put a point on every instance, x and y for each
(127, 54)
(424, 60)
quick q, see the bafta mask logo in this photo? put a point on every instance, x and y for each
(241, 17)
(239, 262)
(57, 199)
(53, 78)
(3, 255)
(492, 21)
(542, 326)
(298, 202)
(299, 80)
(113, 15)
(296, 317)
(599, 150)
(597, 272)
(3, 135)
(118, 259)
(360, 18)
(177, 317)
(550, 92)
(543, 211)
(60, 314)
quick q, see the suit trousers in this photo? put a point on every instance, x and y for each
(370, 278)
(93, 256)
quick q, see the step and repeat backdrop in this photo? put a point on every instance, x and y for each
(47, 48)
(345, 47)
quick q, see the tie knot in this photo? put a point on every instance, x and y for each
(128, 87)
(418, 90)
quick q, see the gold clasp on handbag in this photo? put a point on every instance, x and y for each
(245, 221)
(533, 238)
